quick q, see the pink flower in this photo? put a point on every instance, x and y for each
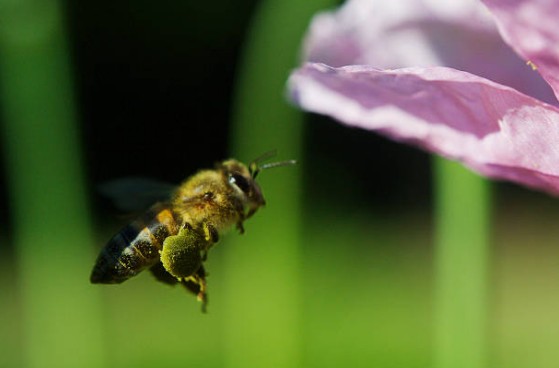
(458, 90)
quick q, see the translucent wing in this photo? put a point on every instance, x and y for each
(136, 193)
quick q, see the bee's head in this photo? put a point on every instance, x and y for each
(243, 179)
(240, 178)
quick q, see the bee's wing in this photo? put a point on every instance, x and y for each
(136, 194)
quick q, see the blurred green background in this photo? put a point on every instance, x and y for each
(337, 270)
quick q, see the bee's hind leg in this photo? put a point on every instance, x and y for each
(197, 285)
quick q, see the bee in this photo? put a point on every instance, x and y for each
(173, 237)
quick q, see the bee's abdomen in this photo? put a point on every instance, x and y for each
(135, 248)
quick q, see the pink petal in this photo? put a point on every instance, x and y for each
(531, 27)
(491, 128)
(393, 34)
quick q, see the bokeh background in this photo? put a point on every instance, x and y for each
(337, 270)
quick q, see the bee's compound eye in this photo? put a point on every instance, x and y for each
(240, 181)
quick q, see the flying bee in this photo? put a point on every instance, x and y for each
(173, 237)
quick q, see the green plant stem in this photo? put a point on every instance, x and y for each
(262, 266)
(61, 321)
(461, 259)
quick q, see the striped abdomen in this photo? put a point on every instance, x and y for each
(136, 247)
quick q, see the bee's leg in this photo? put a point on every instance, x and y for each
(190, 283)
(242, 218)
(202, 294)
(240, 227)
(210, 232)
(197, 285)
(250, 213)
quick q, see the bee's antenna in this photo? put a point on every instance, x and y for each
(277, 164)
(255, 169)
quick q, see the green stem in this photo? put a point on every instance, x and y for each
(262, 266)
(60, 313)
(462, 252)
